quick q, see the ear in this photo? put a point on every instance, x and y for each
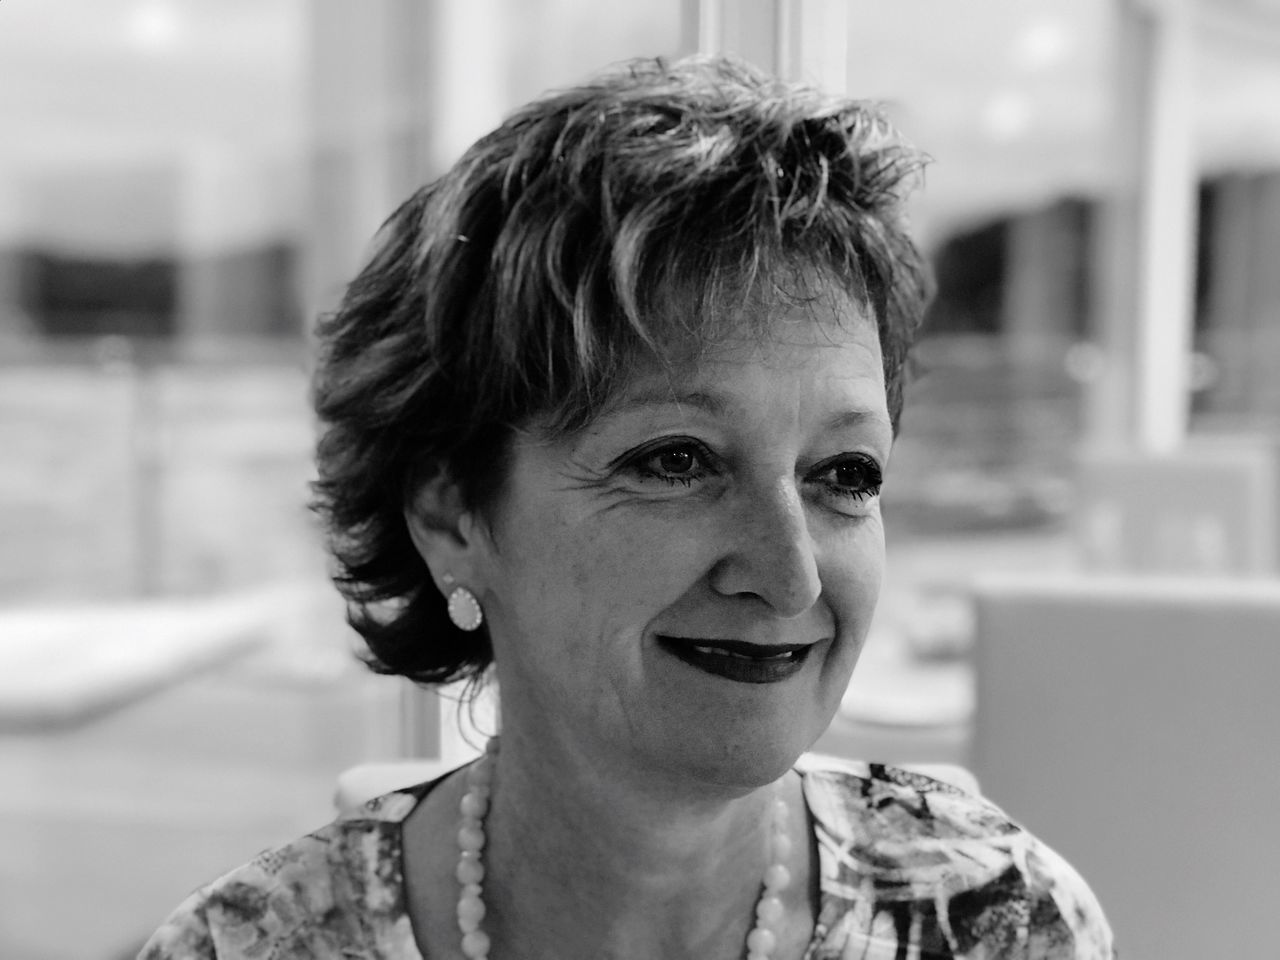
(444, 532)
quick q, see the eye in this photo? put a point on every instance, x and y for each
(676, 462)
(679, 461)
(855, 475)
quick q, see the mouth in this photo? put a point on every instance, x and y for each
(738, 660)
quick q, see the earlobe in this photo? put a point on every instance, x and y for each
(441, 527)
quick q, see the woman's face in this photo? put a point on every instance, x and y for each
(685, 584)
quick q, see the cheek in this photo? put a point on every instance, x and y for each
(591, 577)
(855, 575)
(627, 572)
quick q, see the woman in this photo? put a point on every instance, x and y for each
(608, 412)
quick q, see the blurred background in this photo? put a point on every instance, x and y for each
(1088, 473)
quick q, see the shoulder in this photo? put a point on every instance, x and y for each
(333, 891)
(911, 862)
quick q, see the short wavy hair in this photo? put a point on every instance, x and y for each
(594, 226)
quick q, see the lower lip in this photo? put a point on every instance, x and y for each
(739, 669)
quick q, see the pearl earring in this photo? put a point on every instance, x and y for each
(464, 608)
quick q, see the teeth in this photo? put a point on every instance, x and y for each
(717, 651)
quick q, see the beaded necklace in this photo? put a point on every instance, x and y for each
(470, 870)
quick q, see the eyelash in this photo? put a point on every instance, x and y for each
(867, 490)
(701, 454)
(872, 476)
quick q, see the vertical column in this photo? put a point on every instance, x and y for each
(1229, 301)
(233, 211)
(469, 82)
(1168, 229)
(813, 42)
(351, 116)
(700, 26)
(1042, 294)
(399, 88)
(1266, 297)
(12, 325)
(746, 30)
(794, 39)
(1040, 315)
(1109, 412)
(1148, 233)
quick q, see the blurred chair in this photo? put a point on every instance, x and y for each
(907, 745)
(433, 737)
(1133, 722)
(1210, 507)
(359, 784)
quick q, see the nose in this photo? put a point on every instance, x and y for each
(770, 552)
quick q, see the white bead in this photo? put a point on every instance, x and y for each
(470, 913)
(776, 878)
(471, 837)
(781, 814)
(470, 869)
(761, 941)
(475, 945)
(474, 805)
(780, 845)
(769, 911)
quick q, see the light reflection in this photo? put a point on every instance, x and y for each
(1007, 116)
(1043, 44)
(155, 26)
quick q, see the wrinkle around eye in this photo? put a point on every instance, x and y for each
(616, 482)
(577, 475)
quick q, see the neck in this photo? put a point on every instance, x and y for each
(583, 861)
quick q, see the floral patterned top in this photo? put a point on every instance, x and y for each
(910, 867)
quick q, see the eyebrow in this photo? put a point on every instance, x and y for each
(708, 402)
(859, 418)
(717, 405)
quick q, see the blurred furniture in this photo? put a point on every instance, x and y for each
(361, 783)
(901, 707)
(365, 781)
(64, 667)
(1132, 722)
(1211, 506)
(905, 744)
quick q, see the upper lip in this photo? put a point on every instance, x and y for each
(740, 646)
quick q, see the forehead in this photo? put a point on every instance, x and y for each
(696, 312)
(823, 326)
(699, 331)
(821, 355)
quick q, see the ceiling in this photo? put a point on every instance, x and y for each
(1010, 97)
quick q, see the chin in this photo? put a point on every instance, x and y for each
(740, 765)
